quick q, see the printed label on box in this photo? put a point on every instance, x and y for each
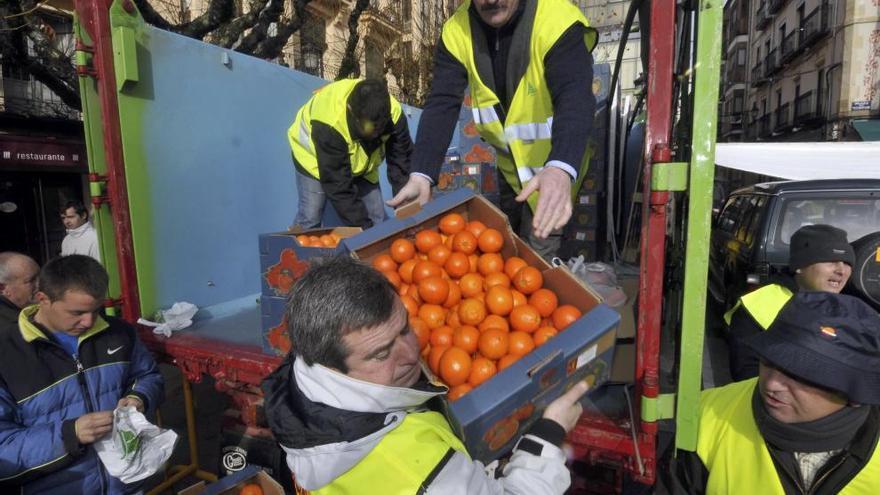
(586, 356)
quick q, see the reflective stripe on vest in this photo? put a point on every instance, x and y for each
(763, 304)
(329, 106)
(402, 461)
(522, 141)
(735, 455)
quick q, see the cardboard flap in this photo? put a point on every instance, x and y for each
(408, 210)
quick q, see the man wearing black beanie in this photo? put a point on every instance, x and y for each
(820, 259)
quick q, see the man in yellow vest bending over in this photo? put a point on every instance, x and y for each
(352, 410)
(810, 422)
(529, 69)
(338, 140)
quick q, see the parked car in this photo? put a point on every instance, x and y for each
(750, 235)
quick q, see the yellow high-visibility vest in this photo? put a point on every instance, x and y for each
(735, 454)
(329, 106)
(763, 304)
(522, 140)
(402, 461)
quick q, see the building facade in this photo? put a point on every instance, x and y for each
(800, 70)
(608, 17)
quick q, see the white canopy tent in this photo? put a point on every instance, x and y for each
(803, 161)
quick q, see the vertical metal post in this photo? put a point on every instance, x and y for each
(701, 182)
(94, 16)
(658, 130)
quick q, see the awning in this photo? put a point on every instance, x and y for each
(803, 161)
(868, 129)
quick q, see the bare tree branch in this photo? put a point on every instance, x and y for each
(271, 47)
(349, 64)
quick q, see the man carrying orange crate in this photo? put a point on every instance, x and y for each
(352, 409)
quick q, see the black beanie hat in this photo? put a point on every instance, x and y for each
(818, 244)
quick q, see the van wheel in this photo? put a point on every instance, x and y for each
(865, 279)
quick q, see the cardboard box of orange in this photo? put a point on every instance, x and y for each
(283, 258)
(491, 418)
(234, 484)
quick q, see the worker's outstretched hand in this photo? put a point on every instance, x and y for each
(554, 200)
(566, 409)
(417, 187)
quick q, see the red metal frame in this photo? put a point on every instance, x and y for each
(94, 16)
(607, 440)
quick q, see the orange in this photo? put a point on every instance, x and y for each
(506, 361)
(528, 279)
(420, 328)
(518, 298)
(475, 227)
(458, 391)
(471, 311)
(393, 277)
(493, 343)
(457, 265)
(452, 317)
(327, 241)
(499, 301)
(401, 250)
(464, 242)
(513, 264)
(493, 279)
(303, 240)
(406, 270)
(412, 307)
(454, 296)
(473, 262)
(471, 285)
(251, 489)
(452, 223)
(525, 318)
(433, 315)
(434, 358)
(441, 336)
(314, 241)
(521, 343)
(434, 290)
(481, 370)
(564, 316)
(490, 241)
(543, 334)
(425, 269)
(490, 263)
(402, 290)
(439, 254)
(545, 301)
(494, 321)
(427, 239)
(466, 337)
(384, 263)
(455, 366)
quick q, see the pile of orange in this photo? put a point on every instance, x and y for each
(474, 312)
(330, 240)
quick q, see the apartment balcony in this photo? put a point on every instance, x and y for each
(815, 25)
(806, 110)
(764, 126)
(771, 63)
(774, 6)
(384, 17)
(782, 118)
(733, 126)
(29, 98)
(789, 47)
(758, 78)
(762, 16)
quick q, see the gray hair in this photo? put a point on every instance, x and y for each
(7, 260)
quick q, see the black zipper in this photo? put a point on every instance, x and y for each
(90, 407)
(827, 472)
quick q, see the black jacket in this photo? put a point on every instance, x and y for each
(689, 475)
(334, 166)
(569, 72)
(8, 312)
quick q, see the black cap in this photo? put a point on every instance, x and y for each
(831, 340)
(819, 243)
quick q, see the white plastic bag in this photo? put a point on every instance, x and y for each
(178, 317)
(135, 448)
